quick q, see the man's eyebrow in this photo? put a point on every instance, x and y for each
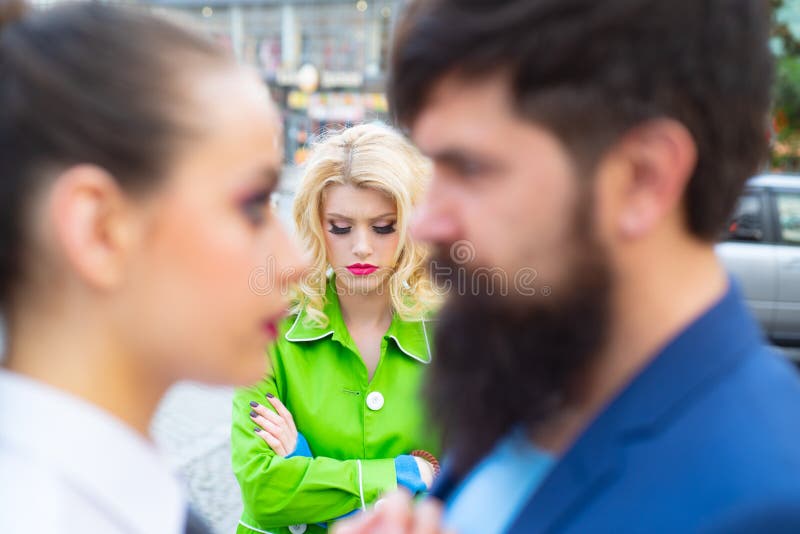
(457, 157)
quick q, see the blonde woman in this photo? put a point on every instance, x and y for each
(335, 423)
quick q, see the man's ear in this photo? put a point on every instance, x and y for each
(91, 224)
(659, 157)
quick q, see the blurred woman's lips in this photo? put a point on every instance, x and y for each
(270, 326)
(362, 269)
(271, 329)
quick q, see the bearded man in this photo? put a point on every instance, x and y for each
(600, 146)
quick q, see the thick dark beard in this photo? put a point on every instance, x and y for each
(503, 362)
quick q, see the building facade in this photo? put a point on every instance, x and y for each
(324, 61)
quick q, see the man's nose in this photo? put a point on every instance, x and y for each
(434, 220)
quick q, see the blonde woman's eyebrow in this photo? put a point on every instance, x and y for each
(349, 219)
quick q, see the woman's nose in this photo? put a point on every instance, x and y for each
(362, 247)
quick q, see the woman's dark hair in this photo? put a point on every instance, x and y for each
(85, 83)
(590, 70)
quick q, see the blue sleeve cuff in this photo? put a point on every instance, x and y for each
(302, 448)
(408, 474)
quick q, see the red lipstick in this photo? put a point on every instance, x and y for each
(362, 269)
(270, 328)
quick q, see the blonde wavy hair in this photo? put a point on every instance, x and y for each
(378, 157)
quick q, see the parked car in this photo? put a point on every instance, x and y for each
(761, 248)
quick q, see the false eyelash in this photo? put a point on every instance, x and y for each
(339, 230)
(388, 229)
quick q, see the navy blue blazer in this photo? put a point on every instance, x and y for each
(705, 439)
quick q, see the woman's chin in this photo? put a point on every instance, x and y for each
(364, 285)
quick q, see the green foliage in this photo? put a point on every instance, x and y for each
(787, 96)
(785, 43)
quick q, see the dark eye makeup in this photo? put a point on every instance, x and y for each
(386, 229)
(339, 230)
(383, 229)
(256, 206)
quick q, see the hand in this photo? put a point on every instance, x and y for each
(277, 429)
(396, 514)
(426, 471)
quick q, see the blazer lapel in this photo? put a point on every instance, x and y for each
(587, 468)
(446, 484)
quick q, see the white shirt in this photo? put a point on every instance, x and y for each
(67, 466)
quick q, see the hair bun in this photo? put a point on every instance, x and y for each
(11, 11)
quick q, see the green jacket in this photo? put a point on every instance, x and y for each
(355, 427)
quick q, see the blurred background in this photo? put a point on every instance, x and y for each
(325, 64)
(324, 61)
(785, 45)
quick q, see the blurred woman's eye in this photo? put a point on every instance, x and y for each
(387, 229)
(258, 206)
(339, 230)
(471, 168)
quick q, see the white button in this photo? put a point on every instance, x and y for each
(375, 401)
(297, 529)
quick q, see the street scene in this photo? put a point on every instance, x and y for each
(193, 423)
(510, 266)
(193, 428)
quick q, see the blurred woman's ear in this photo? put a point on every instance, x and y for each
(92, 225)
(60, 109)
